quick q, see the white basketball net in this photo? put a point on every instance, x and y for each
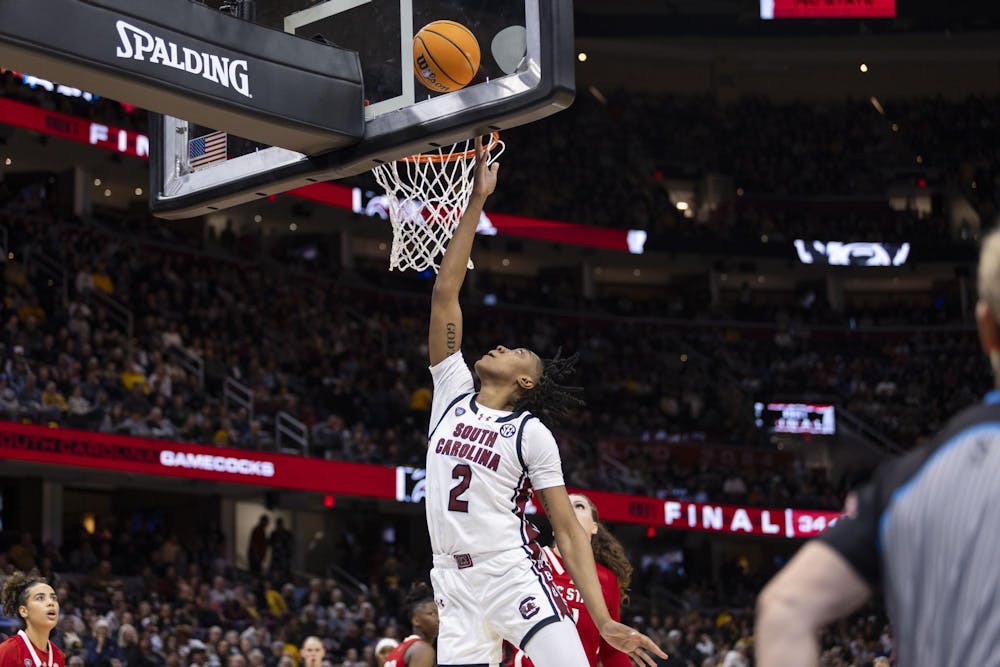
(427, 195)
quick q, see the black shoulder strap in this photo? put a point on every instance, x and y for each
(520, 434)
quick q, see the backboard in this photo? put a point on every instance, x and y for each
(526, 72)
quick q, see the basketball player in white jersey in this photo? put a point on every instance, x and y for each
(487, 452)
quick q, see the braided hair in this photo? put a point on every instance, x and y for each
(15, 591)
(549, 399)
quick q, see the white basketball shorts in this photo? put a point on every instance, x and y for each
(482, 600)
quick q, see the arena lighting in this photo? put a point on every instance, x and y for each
(863, 68)
(682, 206)
(598, 95)
(836, 253)
(66, 91)
(582, 57)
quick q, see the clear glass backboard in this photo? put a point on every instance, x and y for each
(525, 72)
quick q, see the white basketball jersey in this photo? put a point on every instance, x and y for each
(481, 467)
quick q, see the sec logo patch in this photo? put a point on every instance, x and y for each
(459, 412)
(507, 430)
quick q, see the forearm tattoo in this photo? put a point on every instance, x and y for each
(545, 504)
(452, 336)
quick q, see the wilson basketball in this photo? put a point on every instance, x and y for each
(445, 56)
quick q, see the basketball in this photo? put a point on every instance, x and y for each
(445, 56)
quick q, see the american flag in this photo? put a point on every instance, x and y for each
(207, 150)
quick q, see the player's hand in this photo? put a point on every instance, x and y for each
(485, 180)
(632, 643)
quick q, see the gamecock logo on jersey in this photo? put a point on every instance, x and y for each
(507, 430)
(528, 608)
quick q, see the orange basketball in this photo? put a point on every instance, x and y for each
(445, 56)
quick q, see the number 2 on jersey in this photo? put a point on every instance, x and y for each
(464, 473)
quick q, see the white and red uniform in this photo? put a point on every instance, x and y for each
(490, 579)
(15, 652)
(596, 648)
(398, 656)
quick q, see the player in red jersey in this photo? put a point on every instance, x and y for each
(417, 650)
(30, 598)
(613, 571)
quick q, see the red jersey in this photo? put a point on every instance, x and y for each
(14, 653)
(398, 656)
(593, 644)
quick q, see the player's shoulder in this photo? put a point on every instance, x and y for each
(535, 427)
(10, 649)
(452, 361)
(415, 646)
(606, 576)
(57, 654)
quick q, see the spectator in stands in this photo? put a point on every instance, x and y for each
(257, 548)
(312, 652)
(383, 649)
(101, 650)
(281, 542)
(738, 656)
(23, 555)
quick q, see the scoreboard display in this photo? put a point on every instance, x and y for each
(796, 418)
(827, 9)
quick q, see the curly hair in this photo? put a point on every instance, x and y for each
(420, 593)
(549, 399)
(15, 591)
(610, 553)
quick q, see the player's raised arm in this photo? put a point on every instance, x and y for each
(577, 553)
(445, 336)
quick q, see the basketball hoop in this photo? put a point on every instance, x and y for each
(427, 194)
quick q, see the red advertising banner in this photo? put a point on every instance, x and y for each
(504, 224)
(827, 9)
(631, 241)
(102, 451)
(105, 451)
(708, 517)
(670, 513)
(73, 128)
